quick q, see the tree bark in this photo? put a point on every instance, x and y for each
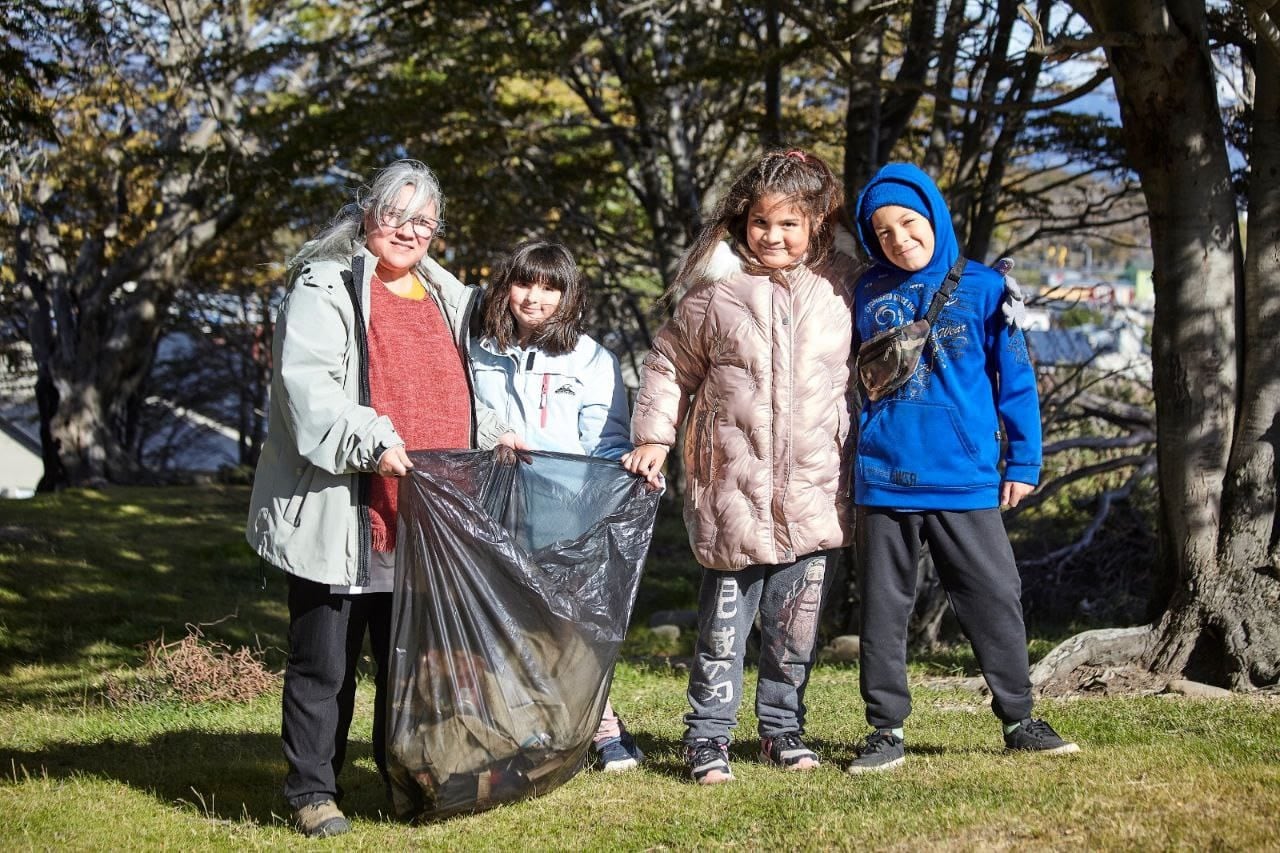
(1246, 596)
(1214, 344)
(862, 110)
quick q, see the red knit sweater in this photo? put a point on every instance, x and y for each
(417, 379)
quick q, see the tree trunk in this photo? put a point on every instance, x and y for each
(1022, 83)
(113, 346)
(771, 127)
(935, 155)
(54, 477)
(924, 630)
(874, 121)
(1246, 594)
(978, 134)
(1216, 396)
(94, 339)
(862, 110)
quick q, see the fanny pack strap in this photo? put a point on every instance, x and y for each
(949, 285)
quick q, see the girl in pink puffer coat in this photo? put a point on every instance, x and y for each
(757, 356)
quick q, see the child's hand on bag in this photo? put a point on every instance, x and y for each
(646, 461)
(510, 449)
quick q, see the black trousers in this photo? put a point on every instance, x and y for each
(326, 634)
(976, 568)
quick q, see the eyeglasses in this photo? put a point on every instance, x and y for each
(423, 228)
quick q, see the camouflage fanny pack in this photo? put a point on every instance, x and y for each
(887, 361)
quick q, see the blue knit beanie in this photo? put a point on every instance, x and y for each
(884, 193)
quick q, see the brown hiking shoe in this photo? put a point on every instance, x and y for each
(320, 820)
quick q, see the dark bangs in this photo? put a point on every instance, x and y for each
(548, 264)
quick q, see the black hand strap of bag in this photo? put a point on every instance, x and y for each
(949, 285)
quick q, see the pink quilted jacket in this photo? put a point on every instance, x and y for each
(767, 451)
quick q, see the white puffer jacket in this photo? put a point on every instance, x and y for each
(767, 452)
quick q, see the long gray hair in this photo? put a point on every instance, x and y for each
(344, 235)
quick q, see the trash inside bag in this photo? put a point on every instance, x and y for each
(514, 586)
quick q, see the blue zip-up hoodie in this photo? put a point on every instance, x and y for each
(935, 443)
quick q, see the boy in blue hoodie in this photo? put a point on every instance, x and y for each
(928, 464)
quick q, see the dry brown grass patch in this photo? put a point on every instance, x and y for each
(193, 669)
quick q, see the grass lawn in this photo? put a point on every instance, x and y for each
(87, 577)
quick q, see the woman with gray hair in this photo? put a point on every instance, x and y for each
(370, 356)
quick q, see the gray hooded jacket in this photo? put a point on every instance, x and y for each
(309, 511)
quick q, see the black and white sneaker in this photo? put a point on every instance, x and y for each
(882, 750)
(788, 752)
(1033, 735)
(708, 760)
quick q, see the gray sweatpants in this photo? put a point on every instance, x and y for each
(976, 567)
(788, 598)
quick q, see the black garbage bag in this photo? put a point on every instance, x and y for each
(514, 586)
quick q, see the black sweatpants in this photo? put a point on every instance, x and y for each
(976, 567)
(326, 634)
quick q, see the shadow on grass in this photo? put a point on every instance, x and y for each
(233, 777)
(665, 756)
(90, 574)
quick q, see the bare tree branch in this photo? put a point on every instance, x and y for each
(1105, 502)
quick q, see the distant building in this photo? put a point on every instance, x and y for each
(1118, 346)
(1059, 347)
(20, 464)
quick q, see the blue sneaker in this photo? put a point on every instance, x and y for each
(619, 754)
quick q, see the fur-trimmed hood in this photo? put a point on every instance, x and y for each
(725, 260)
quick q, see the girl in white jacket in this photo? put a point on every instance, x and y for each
(536, 368)
(554, 386)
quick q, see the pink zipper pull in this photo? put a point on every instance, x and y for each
(546, 383)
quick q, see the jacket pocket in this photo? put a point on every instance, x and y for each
(704, 450)
(293, 509)
(909, 444)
